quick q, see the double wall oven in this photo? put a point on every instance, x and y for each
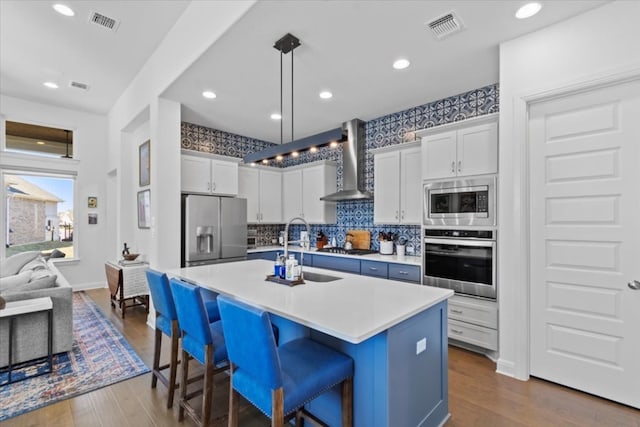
(459, 247)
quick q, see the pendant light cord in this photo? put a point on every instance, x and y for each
(292, 93)
(281, 118)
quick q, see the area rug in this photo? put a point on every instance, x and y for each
(100, 356)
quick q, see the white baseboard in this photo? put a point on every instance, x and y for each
(88, 286)
(505, 367)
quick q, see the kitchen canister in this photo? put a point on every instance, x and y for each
(400, 250)
(386, 247)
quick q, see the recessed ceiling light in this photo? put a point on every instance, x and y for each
(294, 154)
(208, 94)
(528, 10)
(326, 94)
(401, 64)
(275, 116)
(50, 85)
(313, 149)
(333, 144)
(40, 142)
(63, 9)
(265, 161)
(279, 157)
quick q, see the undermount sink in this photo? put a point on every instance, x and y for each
(318, 277)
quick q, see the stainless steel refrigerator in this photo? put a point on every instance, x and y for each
(214, 229)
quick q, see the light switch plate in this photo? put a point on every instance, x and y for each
(421, 346)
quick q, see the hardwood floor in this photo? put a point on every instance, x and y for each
(478, 397)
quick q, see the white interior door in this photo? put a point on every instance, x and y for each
(585, 241)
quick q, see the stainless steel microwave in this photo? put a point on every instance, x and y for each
(461, 202)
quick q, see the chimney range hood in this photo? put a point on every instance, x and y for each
(353, 151)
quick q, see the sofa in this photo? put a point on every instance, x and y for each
(28, 275)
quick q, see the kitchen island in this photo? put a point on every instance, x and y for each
(395, 332)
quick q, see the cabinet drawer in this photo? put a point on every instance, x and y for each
(472, 334)
(473, 310)
(348, 265)
(406, 273)
(373, 268)
(268, 255)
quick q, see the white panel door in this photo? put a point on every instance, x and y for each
(585, 241)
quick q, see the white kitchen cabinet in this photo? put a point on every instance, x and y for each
(397, 185)
(263, 190)
(302, 187)
(209, 175)
(465, 148)
(473, 321)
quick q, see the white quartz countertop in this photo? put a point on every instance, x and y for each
(407, 259)
(353, 308)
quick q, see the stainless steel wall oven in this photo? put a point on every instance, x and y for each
(462, 260)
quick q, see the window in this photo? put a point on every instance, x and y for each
(39, 213)
(39, 140)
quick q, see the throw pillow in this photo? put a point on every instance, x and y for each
(12, 265)
(14, 282)
(44, 282)
(57, 254)
(37, 264)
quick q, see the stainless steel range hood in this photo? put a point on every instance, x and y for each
(353, 151)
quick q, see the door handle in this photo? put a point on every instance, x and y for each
(459, 165)
(453, 166)
(402, 215)
(634, 284)
(396, 214)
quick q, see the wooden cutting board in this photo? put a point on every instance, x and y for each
(360, 239)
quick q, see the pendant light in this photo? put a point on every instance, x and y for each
(287, 44)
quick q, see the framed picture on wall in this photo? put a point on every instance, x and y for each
(144, 212)
(144, 167)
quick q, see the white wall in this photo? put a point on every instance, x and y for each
(90, 150)
(597, 44)
(196, 30)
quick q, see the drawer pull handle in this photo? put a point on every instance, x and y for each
(457, 311)
(402, 272)
(373, 268)
(457, 331)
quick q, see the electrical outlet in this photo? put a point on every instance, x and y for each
(421, 346)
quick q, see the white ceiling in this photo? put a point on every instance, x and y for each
(347, 47)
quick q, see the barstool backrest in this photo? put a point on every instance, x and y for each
(161, 294)
(251, 345)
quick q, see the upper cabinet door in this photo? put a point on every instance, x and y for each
(270, 197)
(439, 155)
(292, 194)
(318, 181)
(224, 177)
(249, 188)
(195, 174)
(478, 150)
(410, 186)
(386, 184)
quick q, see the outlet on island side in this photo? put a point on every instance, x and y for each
(421, 345)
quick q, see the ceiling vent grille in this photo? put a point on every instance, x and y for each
(445, 25)
(79, 85)
(104, 21)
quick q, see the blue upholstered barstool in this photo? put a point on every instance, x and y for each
(167, 323)
(279, 380)
(201, 340)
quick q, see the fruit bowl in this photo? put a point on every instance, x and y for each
(130, 257)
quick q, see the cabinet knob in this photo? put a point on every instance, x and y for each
(459, 165)
(453, 167)
(396, 214)
(457, 331)
(634, 284)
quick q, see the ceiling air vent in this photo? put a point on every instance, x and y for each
(104, 21)
(445, 25)
(79, 85)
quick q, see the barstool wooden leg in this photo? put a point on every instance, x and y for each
(173, 362)
(347, 402)
(207, 394)
(277, 407)
(183, 385)
(233, 400)
(156, 358)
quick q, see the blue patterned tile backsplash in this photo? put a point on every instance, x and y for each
(392, 129)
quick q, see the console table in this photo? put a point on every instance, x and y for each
(127, 285)
(15, 309)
